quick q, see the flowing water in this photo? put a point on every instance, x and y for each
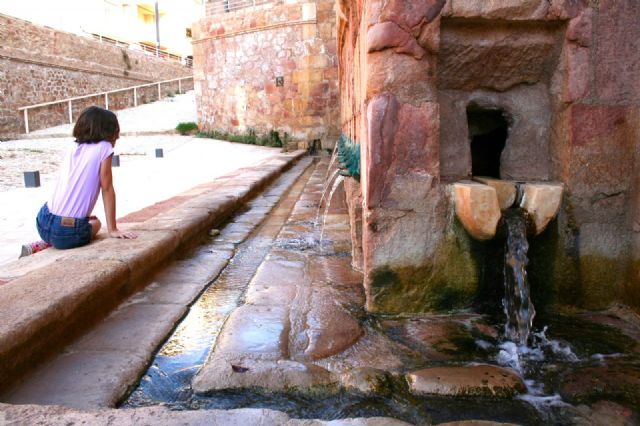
(325, 190)
(517, 300)
(539, 356)
(335, 186)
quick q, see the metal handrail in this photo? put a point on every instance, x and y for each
(224, 6)
(26, 109)
(137, 47)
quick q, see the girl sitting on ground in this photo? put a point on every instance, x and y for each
(64, 222)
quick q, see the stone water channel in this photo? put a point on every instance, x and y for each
(422, 369)
(282, 326)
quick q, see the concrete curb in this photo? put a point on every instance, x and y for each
(46, 308)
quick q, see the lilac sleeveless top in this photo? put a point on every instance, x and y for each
(76, 191)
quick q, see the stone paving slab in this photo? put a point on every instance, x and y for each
(60, 416)
(76, 380)
(46, 307)
(474, 380)
(290, 317)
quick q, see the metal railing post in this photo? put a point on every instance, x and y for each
(159, 92)
(135, 96)
(70, 113)
(26, 120)
(180, 86)
(106, 101)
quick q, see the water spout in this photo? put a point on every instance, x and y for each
(517, 301)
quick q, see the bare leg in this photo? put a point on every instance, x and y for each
(95, 226)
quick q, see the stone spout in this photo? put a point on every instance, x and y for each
(505, 189)
(542, 203)
(477, 208)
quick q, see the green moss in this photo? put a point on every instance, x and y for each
(448, 283)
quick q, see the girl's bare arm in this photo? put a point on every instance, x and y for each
(109, 201)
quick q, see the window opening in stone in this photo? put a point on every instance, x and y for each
(488, 131)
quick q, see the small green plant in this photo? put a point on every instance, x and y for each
(187, 128)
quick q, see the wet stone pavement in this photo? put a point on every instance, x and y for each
(301, 342)
(265, 316)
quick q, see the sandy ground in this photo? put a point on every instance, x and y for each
(141, 180)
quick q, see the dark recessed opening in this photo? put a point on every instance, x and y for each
(488, 131)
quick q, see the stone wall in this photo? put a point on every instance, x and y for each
(565, 72)
(239, 55)
(39, 64)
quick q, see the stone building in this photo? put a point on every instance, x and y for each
(268, 65)
(548, 89)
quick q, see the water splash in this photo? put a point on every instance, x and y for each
(336, 183)
(517, 301)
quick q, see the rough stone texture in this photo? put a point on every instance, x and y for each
(135, 328)
(141, 255)
(477, 380)
(494, 56)
(275, 375)
(329, 328)
(618, 382)
(526, 154)
(59, 416)
(498, 9)
(81, 381)
(542, 202)
(296, 313)
(562, 71)
(295, 40)
(46, 308)
(40, 64)
(617, 65)
(477, 208)
(441, 338)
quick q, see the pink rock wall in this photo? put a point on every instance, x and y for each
(566, 71)
(40, 64)
(238, 55)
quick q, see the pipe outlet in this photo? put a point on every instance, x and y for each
(542, 203)
(477, 208)
(505, 189)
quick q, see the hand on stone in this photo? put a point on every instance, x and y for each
(125, 235)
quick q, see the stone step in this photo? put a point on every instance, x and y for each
(98, 369)
(46, 305)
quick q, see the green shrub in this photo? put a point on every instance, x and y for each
(251, 138)
(186, 128)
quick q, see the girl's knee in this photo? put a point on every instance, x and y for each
(95, 226)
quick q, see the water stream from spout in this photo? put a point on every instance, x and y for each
(334, 156)
(336, 184)
(517, 301)
(325, 191)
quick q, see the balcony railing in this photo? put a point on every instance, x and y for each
(223, 6)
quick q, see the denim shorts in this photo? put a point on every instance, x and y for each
(63, 232)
